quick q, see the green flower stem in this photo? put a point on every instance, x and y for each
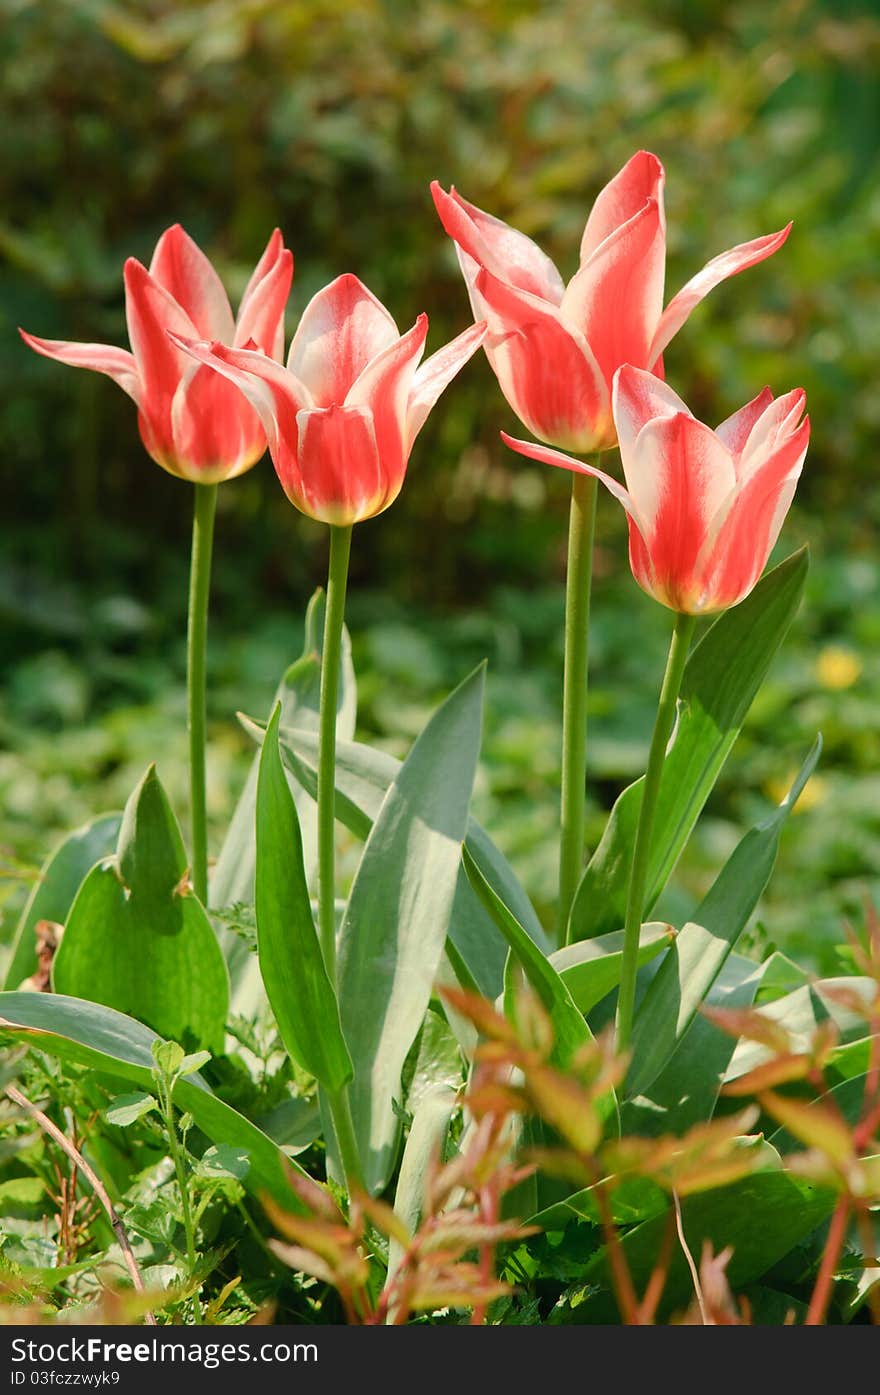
(581, 525)
(199, 587)
(340, 549)
(635, 904)
(334, 616)
(175, 1148)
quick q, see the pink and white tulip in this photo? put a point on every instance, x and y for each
(342, 417)
(191, 422)
(555, 348)
(704, 507)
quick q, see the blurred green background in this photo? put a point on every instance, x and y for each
(330, 119)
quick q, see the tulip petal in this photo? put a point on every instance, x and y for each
(508, 254)
(776, 422)
(436, 373)
(118, 364)
(342, 329)
(261, 316)
(383, 388)
(547, 456)
(154, 317)
(642, 178)
(180, 266)
(745, 532)
(616, 298)
(216, 433)
(679, 475)
(639, 557)
(637, 398)
(713, 273)
(341, 474)
(546, 370)
(272, 390)
(734, 430)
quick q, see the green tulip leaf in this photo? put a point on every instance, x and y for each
(590, 969)
(291, 963)
(138, 940)
(701, 948)
(721, 679)
(363, 777)
(398, 916)
(232, 880)
(60, 879)
(104, 1040)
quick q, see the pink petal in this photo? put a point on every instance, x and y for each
(341, 476)
(342, 328)
(508, 254)
(384, 387)
(118, 364)
(745, 533)
(216, 433)
(436, 373)
(545, 370)
(616, 298)
(638, 397)
(642, 178)
(639, 556)
(153, 316)
(261, 314)
(776, 422)
(679, 475)
(547, 456)
(275, 394)
(180, 266)
(713, 273)
(734, 431)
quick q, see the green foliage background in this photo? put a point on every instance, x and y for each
(330, 119)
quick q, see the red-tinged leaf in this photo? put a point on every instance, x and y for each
(559, 1162)
(383, 1217)
(562, 1103)
(456, 1237)
(815, 1124)
(303, 1261)
(779, 1071)
(481, 1013)
(718, 1172)
(751, 1024)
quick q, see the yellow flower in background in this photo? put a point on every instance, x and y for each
(838, 668)
(815, 791)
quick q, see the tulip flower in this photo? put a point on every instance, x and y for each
(192, 423)
(340, 420)
(555, 348)
(704, 507)
(342, 417)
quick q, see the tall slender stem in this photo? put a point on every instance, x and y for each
(340, 548)
(582, 520)
(635, 905)
(199, 588)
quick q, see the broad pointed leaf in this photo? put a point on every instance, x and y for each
(60, 878)
(107, 1041)
(701, 948)
(398, 916)
(138, 940)
(291, 963)
(232, 880)
(721, 678)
